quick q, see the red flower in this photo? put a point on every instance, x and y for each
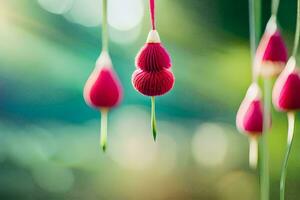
(250, 114)
(154, 77)
(271, 55)
(286, 91)
(103, 88)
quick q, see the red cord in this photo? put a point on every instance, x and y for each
(152, 13)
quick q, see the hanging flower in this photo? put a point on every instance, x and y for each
(153, 76)
(250, 120)
(103, 91)
(271, 55)
(249, 117)
(286, 91)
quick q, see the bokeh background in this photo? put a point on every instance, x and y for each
(49, 136)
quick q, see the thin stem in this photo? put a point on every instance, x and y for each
(252, 28)
(254, 31)
(152, 13)
(291, 124)
(103, 130)
(297, 34)
(253, 152)
(264, 167)
(275, 5)
(153, 118)
(104, 26)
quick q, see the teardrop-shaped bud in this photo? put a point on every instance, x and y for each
(103, 88)
(249, 117)
(271, 55)
(153, 83)
(286, 91)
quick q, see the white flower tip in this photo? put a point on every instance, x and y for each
(272, 25)
(104, 60)
(153, 37)
(254, 91)
(291, 64)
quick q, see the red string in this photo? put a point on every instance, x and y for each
(152, 13)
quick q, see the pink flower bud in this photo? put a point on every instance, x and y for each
(286, 91)
(103, 88)
(271, 55)
(249, 118)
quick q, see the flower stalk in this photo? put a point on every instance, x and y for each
(153, 118)
(104, 26)
(253, 152)
(103, 131)
(254, 31)
(297, 33)
(275, 6)
(264, 167)
(291, 124)
(291, 113)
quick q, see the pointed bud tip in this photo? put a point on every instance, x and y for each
(103, 147)
(154, 136)
(104, 60)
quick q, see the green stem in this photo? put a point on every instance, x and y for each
(275, 5)
(297, 34)
(291, 124)
(253, 152)
(104, 26)
(103, 130)
(264, 167)
(254, 31)
(153, 118)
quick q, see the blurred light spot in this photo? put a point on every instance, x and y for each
(125, 37)
(78, 149)
(85, 12)
(209, 145)
(125, 14)
(28, 153)
(37, 146)
(53, 177)
(238, 185)
(132, 146)
(44, 139)
(56, 6)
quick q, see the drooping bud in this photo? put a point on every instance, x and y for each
(249, 118)
(103, 88)
(271, 55)
(286, 91)
(154, 77)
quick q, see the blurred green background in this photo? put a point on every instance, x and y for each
(49, 136)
